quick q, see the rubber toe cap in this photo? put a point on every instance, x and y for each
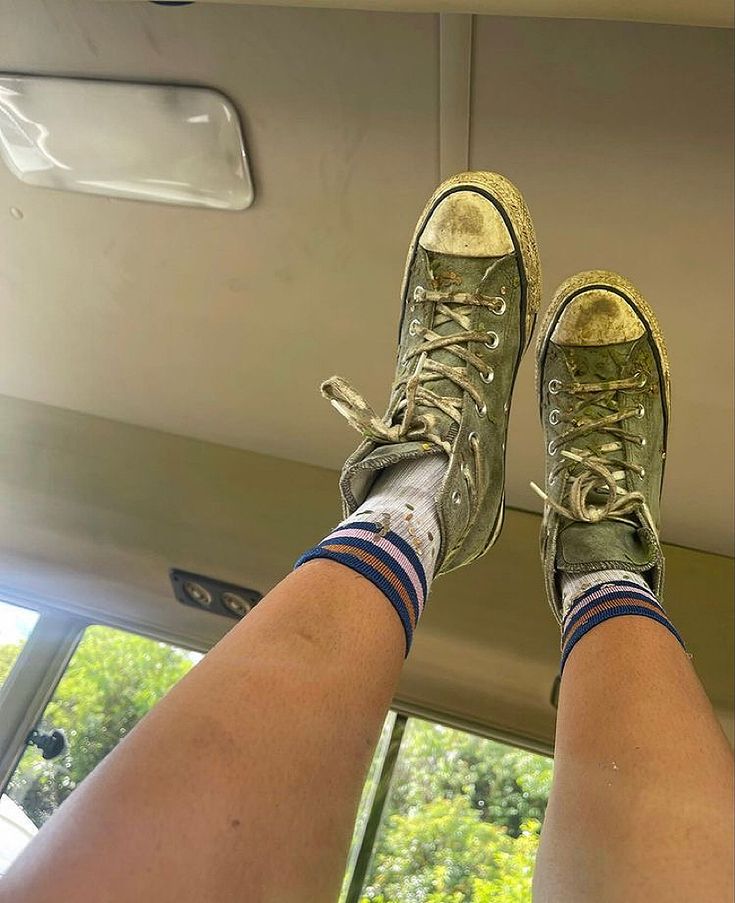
(597, 317)
(466, 224)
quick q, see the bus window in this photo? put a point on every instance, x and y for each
(461, 821)
(112, 680)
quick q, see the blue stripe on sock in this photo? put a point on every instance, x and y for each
(579, 610)
(399, 542)
(613, 585)
(375, 577)
(616, 612)
(383, 554)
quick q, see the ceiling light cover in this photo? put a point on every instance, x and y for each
(170, 144)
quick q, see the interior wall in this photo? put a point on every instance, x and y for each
(195, 322)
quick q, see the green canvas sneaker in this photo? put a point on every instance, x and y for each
(602, 377)
(469, 300)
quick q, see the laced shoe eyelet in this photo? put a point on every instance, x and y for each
(412, 326)
(472, 437)
(642, 473)
(554, 416)
(465, 472)
(457, 497)
(481, 411)
(551, 448)
(494, 340)
(488, 377)
(501, 308)
(641, 377)
(419, 293)
(642, 442)
(552, 479)
(640, 412)
(554, 386)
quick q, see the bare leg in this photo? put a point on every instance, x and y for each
(641, 807)
(244, 781)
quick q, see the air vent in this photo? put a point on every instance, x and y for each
(213, 595)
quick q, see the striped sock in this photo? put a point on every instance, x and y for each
(393, 538)
(590, 599)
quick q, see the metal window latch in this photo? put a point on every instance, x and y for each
(51, 744)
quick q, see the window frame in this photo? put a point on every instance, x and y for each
(41, 664)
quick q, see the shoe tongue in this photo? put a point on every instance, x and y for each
(461, 274)
(359, 477)
(582, 548)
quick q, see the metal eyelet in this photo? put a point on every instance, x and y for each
(554, 416)
(481, 411)
(457, 497)
(640, 412)
(502, 307)
(494, 340)
(472, 437)
(641, 377)
(554, 386)
(465, 471)
(551, 448)
(642, 473)
(419, 293)
(488, 377)
(412, 326)
(642, 442)
(552, 479)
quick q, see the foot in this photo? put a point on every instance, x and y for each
(603, 381)
(468, 305)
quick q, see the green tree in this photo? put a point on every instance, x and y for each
(507, 786)
(113, 679)
(464, 822)
(435, 854)
(513, 880)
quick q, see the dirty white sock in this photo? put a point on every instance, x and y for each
(574, 585)
(403, 499)
(393, 538)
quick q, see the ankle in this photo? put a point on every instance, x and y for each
(592, 599)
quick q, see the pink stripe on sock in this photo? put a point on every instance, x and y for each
(585, 597)
(393, 551)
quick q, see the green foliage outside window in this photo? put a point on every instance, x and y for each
(462, 823)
